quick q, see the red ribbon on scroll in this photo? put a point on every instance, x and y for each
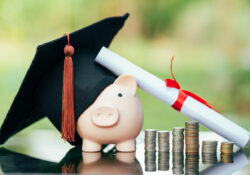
(183, 94)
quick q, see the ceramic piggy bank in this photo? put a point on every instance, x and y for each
(116, 117)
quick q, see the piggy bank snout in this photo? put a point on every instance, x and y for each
(105, 116)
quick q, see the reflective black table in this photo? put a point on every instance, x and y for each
(44, 152)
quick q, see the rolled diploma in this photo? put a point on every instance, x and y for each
(157, 88)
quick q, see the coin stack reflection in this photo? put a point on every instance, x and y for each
(178, 162)
(163, 161)
(192, 163)
(163, 150)
(226, 152)
(209, 149)
(150, 152)
(178, 139)
(192, 136)
(150, 161)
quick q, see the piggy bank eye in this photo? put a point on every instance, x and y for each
(119, 94)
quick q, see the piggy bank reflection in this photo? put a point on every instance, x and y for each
(74, 162)
(120, 163)
(116, 117)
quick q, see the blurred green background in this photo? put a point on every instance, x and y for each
(210, 40)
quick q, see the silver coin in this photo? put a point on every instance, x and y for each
(178, 130)
(163, 140)
(150, 138)
(178, 147)
(149, 141)
(178, 137)
(164, 155)
(163, 133)
(150, 132)
(150, 149)
(209, 142)
(150, 146)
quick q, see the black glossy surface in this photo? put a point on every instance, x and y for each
(43, 158)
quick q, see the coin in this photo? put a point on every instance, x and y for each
(193, 148)
(150, 133)
(163, 161)
(178, 164)
(209, 158)
(192, 163)
(226, 158)
(226, 147)
(192, 136)
(191, 124)
(150, 160)
(150, 139)
(209, 146)
(191, 130)
(163, 133)
(163, 141)
(209, 142)
(178, 130)
(178, 139)
(191, 142)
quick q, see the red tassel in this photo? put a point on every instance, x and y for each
(68, 113)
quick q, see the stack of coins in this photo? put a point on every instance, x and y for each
(178, 164)
(226, 158)
(150, 161)
(226, 152)
(163, 141)
(192, 163)
(227, 147)
(192, 136)
(163, 161)
(150, 139)
(178, 139)
(209, 149)
(209, 158)
(209, 146)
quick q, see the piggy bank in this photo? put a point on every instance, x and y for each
(115, 117)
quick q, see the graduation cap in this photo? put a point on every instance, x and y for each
(63, 80)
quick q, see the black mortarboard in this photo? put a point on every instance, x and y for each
(41, 91)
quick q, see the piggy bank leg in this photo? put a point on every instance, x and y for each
(90, 146)
(126, 146)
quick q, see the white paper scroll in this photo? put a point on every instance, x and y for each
(157, 88)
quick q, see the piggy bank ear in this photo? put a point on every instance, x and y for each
(127, 81)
